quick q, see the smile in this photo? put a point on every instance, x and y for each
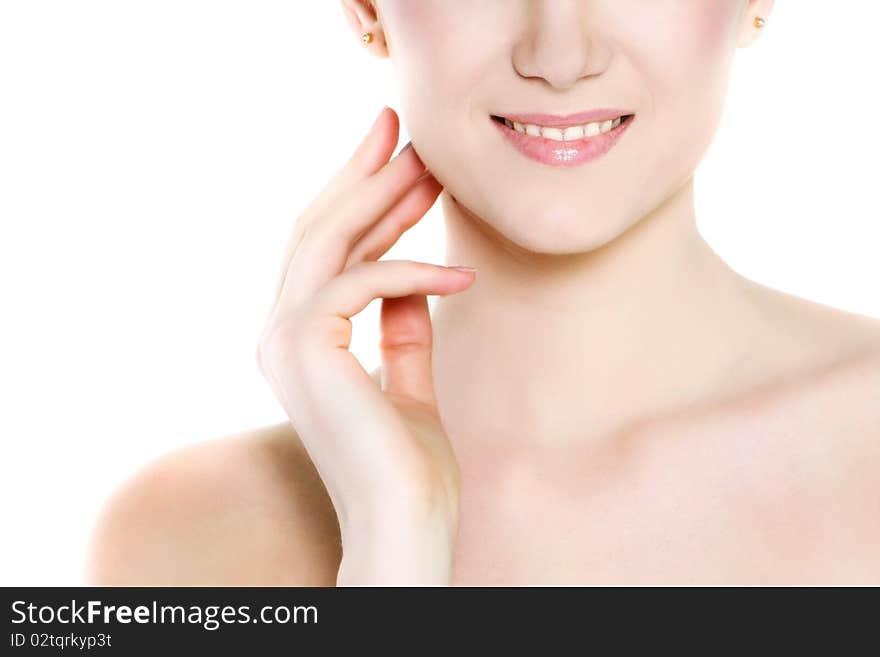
(563, 141)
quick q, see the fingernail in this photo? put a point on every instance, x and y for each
(463, 268)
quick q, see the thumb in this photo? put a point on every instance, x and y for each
(406, 347)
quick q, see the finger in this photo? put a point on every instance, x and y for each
(307, 378)
(406, 347)
(380, 237)
(326, 243)
(374, 150)
(371, 155)
(351, 291)
(367, 201)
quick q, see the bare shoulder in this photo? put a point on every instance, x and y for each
(247, 509)
(820, 441)
(794, 455)
(806, 401)
(846, 405)
(840, 351)
(828, 388)
(810, 419)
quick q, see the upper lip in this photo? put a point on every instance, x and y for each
(565, 120)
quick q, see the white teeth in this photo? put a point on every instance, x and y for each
(575, 132)
(571, 133)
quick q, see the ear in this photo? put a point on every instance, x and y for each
(748, 32)
(363, 17)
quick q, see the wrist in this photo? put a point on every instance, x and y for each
(402, 549)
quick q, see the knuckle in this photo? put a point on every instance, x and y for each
(419, 271)
(289, 346)
(414, 265)
(360, 268)
(280, 344)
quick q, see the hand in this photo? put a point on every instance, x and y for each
(381, 451)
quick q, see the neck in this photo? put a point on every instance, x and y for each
(560, 348)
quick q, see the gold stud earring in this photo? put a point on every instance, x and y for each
(759, 22)
(367, 37)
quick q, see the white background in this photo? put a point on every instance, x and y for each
(154, 155)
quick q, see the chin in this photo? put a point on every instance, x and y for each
(560, 234)
(553, 230)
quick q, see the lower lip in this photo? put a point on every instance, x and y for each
(563, 153)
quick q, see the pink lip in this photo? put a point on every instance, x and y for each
(563, 153)
(566, 120)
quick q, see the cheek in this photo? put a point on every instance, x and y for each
(714, 42)
(683, 58)
(712, 32)
(433, 44)
(691, 51)
(430, 40)
(441, 64)
(678, 54)
(714, 20)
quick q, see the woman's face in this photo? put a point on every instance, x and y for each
(459, 62)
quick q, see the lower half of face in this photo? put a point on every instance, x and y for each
(479, 79)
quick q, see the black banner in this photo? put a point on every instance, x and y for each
(268, 621)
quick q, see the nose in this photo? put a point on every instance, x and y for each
(562, 43)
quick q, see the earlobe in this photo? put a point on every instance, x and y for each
(375, 42)
(754, 21)
(364, 22)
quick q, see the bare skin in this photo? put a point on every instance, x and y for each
(606, 402)
(778, 486)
